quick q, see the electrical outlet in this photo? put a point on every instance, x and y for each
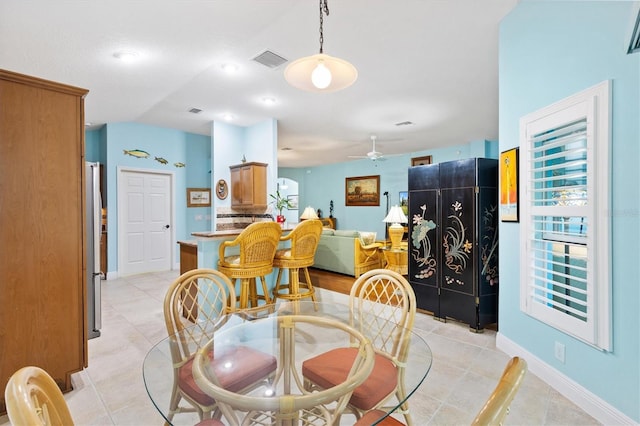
(559, 352)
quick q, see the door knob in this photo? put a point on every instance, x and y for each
(166, 227)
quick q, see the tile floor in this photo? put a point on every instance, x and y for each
(465, 369)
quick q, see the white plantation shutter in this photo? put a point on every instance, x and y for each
(565, 278)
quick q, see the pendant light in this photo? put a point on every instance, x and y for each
(321, 72)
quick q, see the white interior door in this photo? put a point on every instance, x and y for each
(144, 222)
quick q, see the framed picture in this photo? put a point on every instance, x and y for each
(198, 197)
(362, 191)
(404, 202)
(293, 199)
(421, 161)
(509, 211)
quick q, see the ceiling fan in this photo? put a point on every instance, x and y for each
(372, 155)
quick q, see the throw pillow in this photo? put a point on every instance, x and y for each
(367, 238)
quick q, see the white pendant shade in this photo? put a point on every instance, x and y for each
(320, 73)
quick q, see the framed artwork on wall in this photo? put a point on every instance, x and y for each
(421, 161)
(404, 202)
(362, 191)
(509, 210)
(293, 202)
(198, 197)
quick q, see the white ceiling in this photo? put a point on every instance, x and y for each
(431, 62)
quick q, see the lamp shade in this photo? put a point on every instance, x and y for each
(309, 213)
(396, 215)
(320, 73)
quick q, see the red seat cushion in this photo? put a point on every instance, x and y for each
(236, 368)
(210, 422)
(332, 368)
(372, 416)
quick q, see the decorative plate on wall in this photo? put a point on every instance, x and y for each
(222, 189)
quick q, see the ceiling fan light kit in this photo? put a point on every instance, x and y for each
(321, 73)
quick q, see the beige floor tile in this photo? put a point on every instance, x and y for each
(465, 368)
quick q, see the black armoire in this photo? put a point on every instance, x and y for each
(453, 240)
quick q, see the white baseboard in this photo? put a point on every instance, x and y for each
(590, 403)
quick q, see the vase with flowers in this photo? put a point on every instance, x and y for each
(280, 202)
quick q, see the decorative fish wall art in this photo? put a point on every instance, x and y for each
(138, 153)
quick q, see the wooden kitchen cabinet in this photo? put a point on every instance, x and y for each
(42, 202)
(249, 185)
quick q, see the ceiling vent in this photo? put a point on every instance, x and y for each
(634, 46)
(404, 123)
(270, 59)
(195, 111)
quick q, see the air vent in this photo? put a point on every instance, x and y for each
(634, 46)
(195, 111)
(405, 123)
(270, 59)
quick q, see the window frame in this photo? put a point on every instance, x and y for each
(594, 105)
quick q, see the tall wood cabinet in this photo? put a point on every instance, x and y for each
(42, 234)
(249, 185)
(453, 239)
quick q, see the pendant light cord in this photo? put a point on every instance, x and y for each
(324, 9)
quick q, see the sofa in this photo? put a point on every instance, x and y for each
(348, 252)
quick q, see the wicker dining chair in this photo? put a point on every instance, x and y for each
(383, 307)
(496, 407)
(33, 398)
(304, 241)
(194, 307)
(257, 243)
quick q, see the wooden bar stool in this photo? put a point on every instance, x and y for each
(258, 243)
(304, 242)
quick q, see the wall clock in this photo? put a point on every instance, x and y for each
(222, 189)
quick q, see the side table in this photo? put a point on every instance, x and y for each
(397, 260)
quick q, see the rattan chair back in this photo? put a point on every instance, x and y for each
(193, 307)
(383, 306)
(304, 242)
(496, 408)
(257, 244)
(33, 398)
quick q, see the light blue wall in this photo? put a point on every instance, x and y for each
(319, 185)
(173, 145)
(548, 51)
(92, 146)
(231, 143)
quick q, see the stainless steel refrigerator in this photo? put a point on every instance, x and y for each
(94, 230)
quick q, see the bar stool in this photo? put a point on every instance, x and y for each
(304, 242)
(258, 243)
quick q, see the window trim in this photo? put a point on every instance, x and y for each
(593, 103)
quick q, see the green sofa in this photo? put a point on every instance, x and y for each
(348, 252)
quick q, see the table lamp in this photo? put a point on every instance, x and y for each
(309, 213)
(395, 217)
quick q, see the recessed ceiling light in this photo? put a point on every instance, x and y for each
(126, 55)
(269, 100)
(228, 117)
(230, 68)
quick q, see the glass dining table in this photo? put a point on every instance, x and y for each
(291, 332)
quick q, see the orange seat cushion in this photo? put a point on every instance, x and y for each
(332, 368)
(372, 416)
(210, 422)
(236, 369)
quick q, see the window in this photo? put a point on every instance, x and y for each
(566, 280)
